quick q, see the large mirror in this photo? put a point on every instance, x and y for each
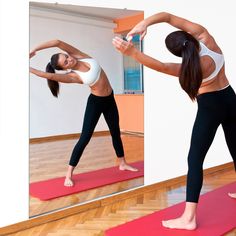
(56, 124)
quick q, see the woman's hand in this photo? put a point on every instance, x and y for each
(126, 48)
(33, 71)
(140, 28)
(32, 53)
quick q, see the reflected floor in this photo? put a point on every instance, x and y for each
(50, 159)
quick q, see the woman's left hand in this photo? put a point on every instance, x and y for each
(126, 48)
(32, 70)
(140, 28)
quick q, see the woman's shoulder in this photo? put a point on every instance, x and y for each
(210, 43)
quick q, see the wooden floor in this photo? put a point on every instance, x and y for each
(50, 160)
(95, 222)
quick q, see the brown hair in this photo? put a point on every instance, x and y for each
(183, 44)
(51, 67)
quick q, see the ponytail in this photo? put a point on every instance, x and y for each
(190, 77)
(183, 44)
(52, 84)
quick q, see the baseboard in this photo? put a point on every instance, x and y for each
(139, 134)
(60, 214)
(64, 137)
(55, 138)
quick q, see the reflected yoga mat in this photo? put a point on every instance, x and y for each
(216, 216)
(54, 188)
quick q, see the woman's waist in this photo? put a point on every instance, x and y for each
(101, 90)
(217, 96)
(216, 84)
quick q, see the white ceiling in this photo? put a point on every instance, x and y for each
(93, 12)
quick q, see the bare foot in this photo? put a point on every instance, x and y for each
(233, 195)
(125, 166)
(180, 223)
(68, 182)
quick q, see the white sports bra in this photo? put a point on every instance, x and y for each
(91, 76)
(216, 57)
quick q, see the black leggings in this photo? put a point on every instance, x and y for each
(95, 107)
(214, 108)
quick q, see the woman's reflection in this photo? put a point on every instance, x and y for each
(75, 66)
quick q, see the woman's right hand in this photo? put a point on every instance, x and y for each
(126, 48)
(140, 28)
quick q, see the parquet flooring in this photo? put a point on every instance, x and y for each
(95, 222)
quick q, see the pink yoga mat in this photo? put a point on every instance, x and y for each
(54, 188)
(216, 216)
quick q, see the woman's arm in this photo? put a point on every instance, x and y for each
(163, 17)
(60, 44)
(150, 62)
(64, 78)
(128, 49)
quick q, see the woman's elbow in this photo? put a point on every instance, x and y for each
(57, 42)
(166, 16)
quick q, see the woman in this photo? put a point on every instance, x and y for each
(202, 76)
(75, 66)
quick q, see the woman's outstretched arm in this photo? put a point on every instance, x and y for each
(197, 30)
(64, 78)
(128, 49)
(60, 44)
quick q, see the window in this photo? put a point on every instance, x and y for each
(133, 71)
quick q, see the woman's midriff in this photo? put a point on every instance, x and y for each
(102, 87)
(216, 84)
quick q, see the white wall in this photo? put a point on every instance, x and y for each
(49, 115)
(168, 112)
